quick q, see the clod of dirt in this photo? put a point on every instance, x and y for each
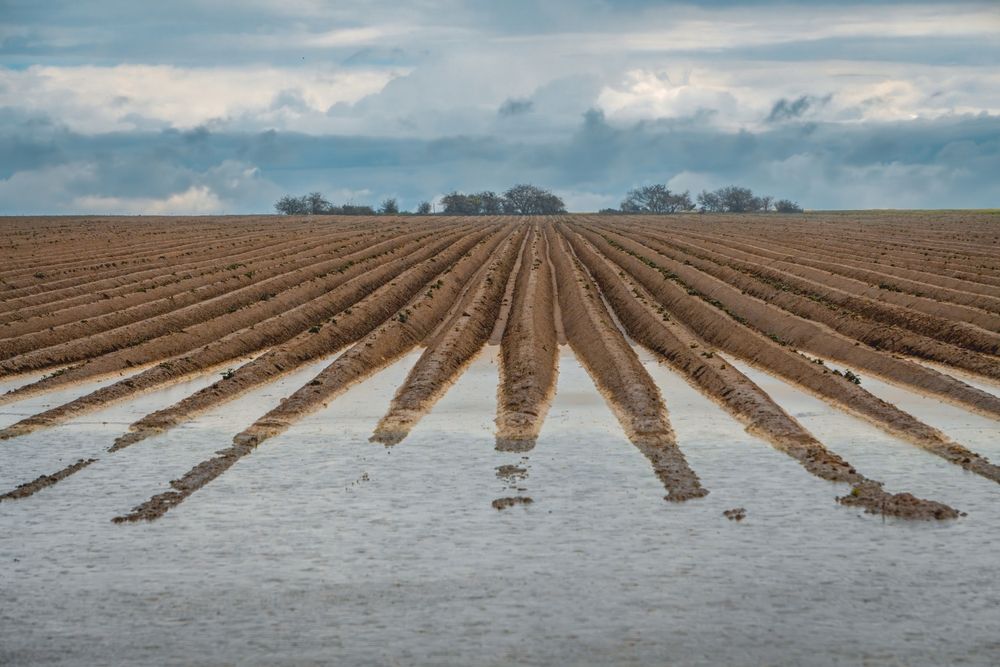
(504, 503)
(511, 472)
(735, 514)
(875, 500)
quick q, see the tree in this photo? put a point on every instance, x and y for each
(456, 203)
(489, 203)
(388, 207)
(356, 209)
(682, 202)
(289, 205)
(710, 202)
(524, 199)
(424, 208)
(787, 206)
(736, 199)
(317, 204)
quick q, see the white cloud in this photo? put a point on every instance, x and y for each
(740, 95)
(196, 200)
(105, 99)
(577, 200)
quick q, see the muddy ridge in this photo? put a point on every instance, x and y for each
(720, 328)
(908, 298)
(459, 339)
(387, 343)
(697, 362)
(620, 376)
(529, 353)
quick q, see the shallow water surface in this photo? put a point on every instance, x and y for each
(324, 548)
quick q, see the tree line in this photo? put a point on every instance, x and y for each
(658, 199)
(524, 199)
(315, 204)
(521, 199)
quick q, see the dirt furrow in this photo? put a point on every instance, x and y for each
(990, 304)
(612, 363)
(40, 283)
(912, 264)
(879, 336)
(730, 333)
(815, 338)
(173, 333)
(884, 291)
(306, 322)
(86, 301)
(651, 326)
(81, 321)
(44, 481)
(245, 320)
(448, 353)
(352, 320)
(376, 351)
(529, 353)
(945, 330)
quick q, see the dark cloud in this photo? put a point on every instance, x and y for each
(514, 107)
(785, 109)
(442, 120)
(926, 163)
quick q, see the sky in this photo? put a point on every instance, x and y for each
(117, 106)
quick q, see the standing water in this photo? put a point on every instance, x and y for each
(324, 548)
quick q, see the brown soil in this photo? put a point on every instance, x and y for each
(511, 472)
(620, 376)
(396, 282)
(169, 334)
(380, 348)
(272, 331)
(696, 361)
(808, 335)
(178, 297)
(720, 327)
(510, 501)
(529, 353)
(457, 341)
(870, 496)
(858, 317)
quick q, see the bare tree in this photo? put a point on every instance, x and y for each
(317, 204)
(424, 208)
(388, 207)
(656, 199)
(289, 205)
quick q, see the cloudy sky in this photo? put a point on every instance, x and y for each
(117, 106)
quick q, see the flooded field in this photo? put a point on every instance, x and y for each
(446, 441)
(324, 547)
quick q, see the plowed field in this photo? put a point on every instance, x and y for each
(826, 303)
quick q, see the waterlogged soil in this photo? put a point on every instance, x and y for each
(323, 548)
